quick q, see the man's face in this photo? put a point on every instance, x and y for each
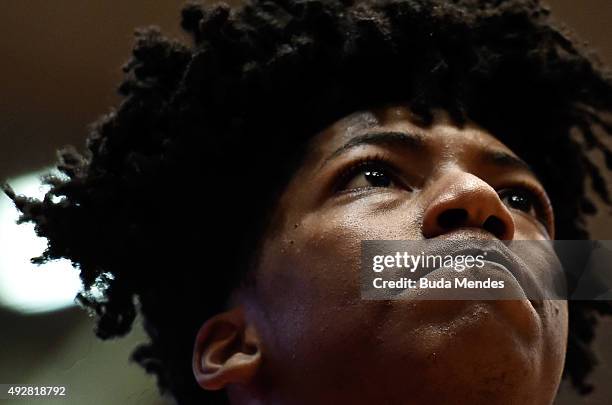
(377, 175)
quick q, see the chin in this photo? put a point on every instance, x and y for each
(490, 352)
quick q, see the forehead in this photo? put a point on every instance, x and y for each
(442, 134)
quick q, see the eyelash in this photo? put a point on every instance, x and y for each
(375, 160)
(542, 207)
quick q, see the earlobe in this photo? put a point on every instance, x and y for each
(227, 351)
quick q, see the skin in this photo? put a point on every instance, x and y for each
(301, 334)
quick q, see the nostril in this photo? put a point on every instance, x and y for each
(452, 218)
(495, 225)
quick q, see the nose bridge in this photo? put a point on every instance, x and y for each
(462, 200)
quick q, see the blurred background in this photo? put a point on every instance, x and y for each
(60, 67)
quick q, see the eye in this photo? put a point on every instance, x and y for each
(367, 175)
(520, 199)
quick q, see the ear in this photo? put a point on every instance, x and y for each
(227, 351)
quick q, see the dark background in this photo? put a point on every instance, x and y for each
(60, 67)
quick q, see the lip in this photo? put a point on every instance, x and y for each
(494, 251)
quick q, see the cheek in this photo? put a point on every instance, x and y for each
(309, 280)
(308, 286)
(317, 258)
(555, 326)
(526, 229)
(317, 328)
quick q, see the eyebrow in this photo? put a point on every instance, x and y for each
(505, 160)
(416, 142)
(402, 139)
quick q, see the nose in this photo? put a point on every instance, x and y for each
(462, 200)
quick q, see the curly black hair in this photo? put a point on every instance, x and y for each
(231, 113)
